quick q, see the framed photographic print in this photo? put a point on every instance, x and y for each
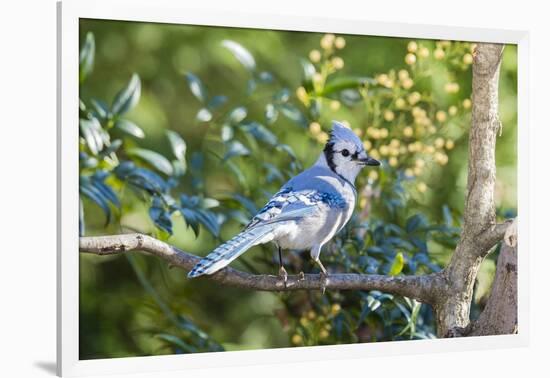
(264, 188)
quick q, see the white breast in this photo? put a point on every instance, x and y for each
(318, 228)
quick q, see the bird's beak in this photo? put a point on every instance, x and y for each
(369, 161)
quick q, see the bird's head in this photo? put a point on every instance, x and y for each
(344, 152)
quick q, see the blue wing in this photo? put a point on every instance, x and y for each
(291, 205)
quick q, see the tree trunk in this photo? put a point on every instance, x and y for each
(500, 316)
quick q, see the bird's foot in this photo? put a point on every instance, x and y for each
(283, 275)
(323, 277)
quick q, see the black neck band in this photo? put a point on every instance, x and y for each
(329, 157)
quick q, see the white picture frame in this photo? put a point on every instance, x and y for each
(69, 13)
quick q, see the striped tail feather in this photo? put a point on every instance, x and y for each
(224, 254)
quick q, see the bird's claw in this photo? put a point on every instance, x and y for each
(323, 278)
(283, 275)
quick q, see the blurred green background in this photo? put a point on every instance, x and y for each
(131, 306)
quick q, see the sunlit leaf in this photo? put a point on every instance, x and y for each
(271, 114)
(86, 57)
(208, 203)
(227, 133)
(90, 130)
(179, 147)
(204, 115)
(130, 128)
(235, 148)
(196, 87)
(397, 265)
(242, 54)
(128, 97)
(237, 115)
(153, 158)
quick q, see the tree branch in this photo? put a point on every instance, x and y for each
(418, 287)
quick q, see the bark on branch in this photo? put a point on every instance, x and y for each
(418, 287)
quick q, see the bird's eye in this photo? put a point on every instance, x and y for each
(345, 153)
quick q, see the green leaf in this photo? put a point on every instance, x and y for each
(208, 203)
(128, 97)
(216, 102)
(91, 131)
(308, 71)
(179, 167)
(196, 87)
(397, 265)
(176, 341)
(447, 216)
(191, 219)
(179, 147)
(260, 132)
(227, 133)
(161, 218)
(81, 222)
(237, 172)
(282, 96)
(101, 108)
(235, 148)
(266, 77)
(113, 147)
(415, 222)
(87, 189)
(342, 83)
(271, 114)
(293, 113)
(153, 158)
(242, 54)
(237, 115)
(86, 58)
(208, 220)
(130, 128)
(204, 115)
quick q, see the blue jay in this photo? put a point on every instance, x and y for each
(307, 211)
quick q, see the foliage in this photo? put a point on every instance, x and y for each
(240, 144)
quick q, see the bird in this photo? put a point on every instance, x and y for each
(307, 211)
